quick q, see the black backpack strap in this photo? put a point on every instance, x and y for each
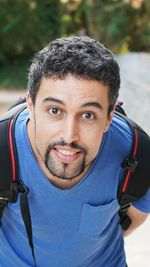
(8, 159)
(136, 176)
(25, 211)
(10, 185)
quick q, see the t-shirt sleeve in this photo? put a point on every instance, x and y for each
(143, 204)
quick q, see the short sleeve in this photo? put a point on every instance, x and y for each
(143, 204)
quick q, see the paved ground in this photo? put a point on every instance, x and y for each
(138, 246)
(135, 87)
(135, 93)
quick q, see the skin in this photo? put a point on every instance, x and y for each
(137, 217)
(66, 125)
(73, 111)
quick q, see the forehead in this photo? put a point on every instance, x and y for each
(72, 91)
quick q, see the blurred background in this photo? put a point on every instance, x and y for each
(26, 26)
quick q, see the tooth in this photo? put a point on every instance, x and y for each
(66, 152)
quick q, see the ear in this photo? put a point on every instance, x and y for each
(29, 102)
(109, 120)
(30, 106)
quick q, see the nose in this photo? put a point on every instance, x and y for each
(70, 131)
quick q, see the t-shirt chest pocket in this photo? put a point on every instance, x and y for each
(94, 219)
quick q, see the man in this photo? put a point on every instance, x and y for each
(70, 148)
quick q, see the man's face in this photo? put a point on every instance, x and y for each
(67, 124)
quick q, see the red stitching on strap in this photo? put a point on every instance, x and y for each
(136, 142)
(12, 152)
(126, 181)
(134, 154)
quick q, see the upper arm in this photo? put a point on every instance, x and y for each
(138, 212)
(137, 217)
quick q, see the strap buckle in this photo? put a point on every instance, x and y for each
(124, 208)
(130, 163)
(22, 188)
(9, 195)
(12, 194)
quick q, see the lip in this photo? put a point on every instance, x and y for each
(74, 155)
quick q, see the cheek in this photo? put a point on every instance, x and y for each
(44, 126)
(96, 144)
(46, 132)
(42, 134)
(92, 140)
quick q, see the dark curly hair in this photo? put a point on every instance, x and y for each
(80, 56)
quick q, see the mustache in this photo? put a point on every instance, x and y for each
(62, 143)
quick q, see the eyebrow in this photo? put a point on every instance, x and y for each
(88, 104)
(93, 104)
(52, 99)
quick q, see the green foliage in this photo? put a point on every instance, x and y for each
(14, 76)
(74, 17)
(119, 24)
(26, 26)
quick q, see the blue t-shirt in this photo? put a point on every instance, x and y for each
(77, 227)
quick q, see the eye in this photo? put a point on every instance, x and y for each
(54, 111)
(87, 116)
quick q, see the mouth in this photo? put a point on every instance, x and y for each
(67, 155)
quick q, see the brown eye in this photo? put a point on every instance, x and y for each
(54, 111)
(88, 116)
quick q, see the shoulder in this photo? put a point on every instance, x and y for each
(120, 134)
(22, 118)
(20, 126)
(121, 126)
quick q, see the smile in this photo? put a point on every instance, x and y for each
(67, 152)
(66, 155)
